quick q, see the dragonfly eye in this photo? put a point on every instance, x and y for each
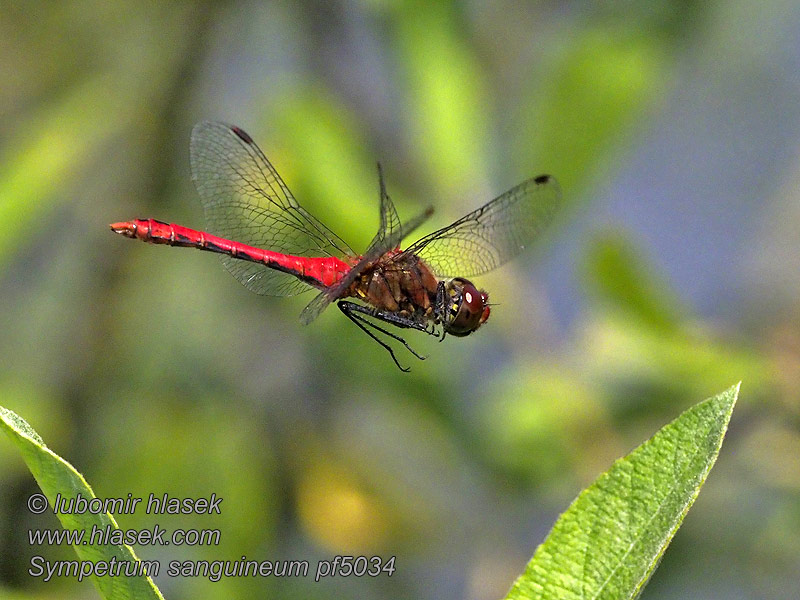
(468, 309)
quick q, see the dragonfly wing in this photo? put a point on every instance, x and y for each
(315, 307)
(493, 234)
(389, 220)
(262, 280)
(391, 231)
(411, 225)
(246, 200)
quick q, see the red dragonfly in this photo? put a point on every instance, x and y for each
(282, 250)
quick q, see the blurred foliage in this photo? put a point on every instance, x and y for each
(620, 278)
(153, 371)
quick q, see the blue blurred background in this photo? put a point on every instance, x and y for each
(671, 273)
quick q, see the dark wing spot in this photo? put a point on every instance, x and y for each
(542, 179)
(242, 134)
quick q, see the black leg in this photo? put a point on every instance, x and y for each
(355, 313)
(440, 310)
(358, 320)
(351, 309)
(401, 321)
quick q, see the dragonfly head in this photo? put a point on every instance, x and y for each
(467, 307)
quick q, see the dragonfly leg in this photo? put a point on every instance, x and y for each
(432, 329)
(440, 310)
(356, 313)
(401, 321)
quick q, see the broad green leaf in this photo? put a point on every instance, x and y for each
(56, 476)
(609, 541)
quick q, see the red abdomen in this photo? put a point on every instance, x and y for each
(320, 272)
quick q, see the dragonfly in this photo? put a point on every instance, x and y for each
(274, 247)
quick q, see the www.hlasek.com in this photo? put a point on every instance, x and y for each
(108, 534)
(122, 565)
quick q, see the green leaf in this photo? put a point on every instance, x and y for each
(56, 476)
(609, 541)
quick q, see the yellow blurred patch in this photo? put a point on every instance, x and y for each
(337, 514)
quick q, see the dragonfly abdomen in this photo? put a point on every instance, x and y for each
(316, 271)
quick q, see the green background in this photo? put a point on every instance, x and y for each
(670, 274)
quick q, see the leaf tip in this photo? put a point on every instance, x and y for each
(19, 425)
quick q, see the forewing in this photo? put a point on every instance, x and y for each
(493, 234)
(246, 201)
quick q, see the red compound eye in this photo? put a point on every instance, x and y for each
(469, 309)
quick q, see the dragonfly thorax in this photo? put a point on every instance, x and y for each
(406, 287)
(467, 308)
